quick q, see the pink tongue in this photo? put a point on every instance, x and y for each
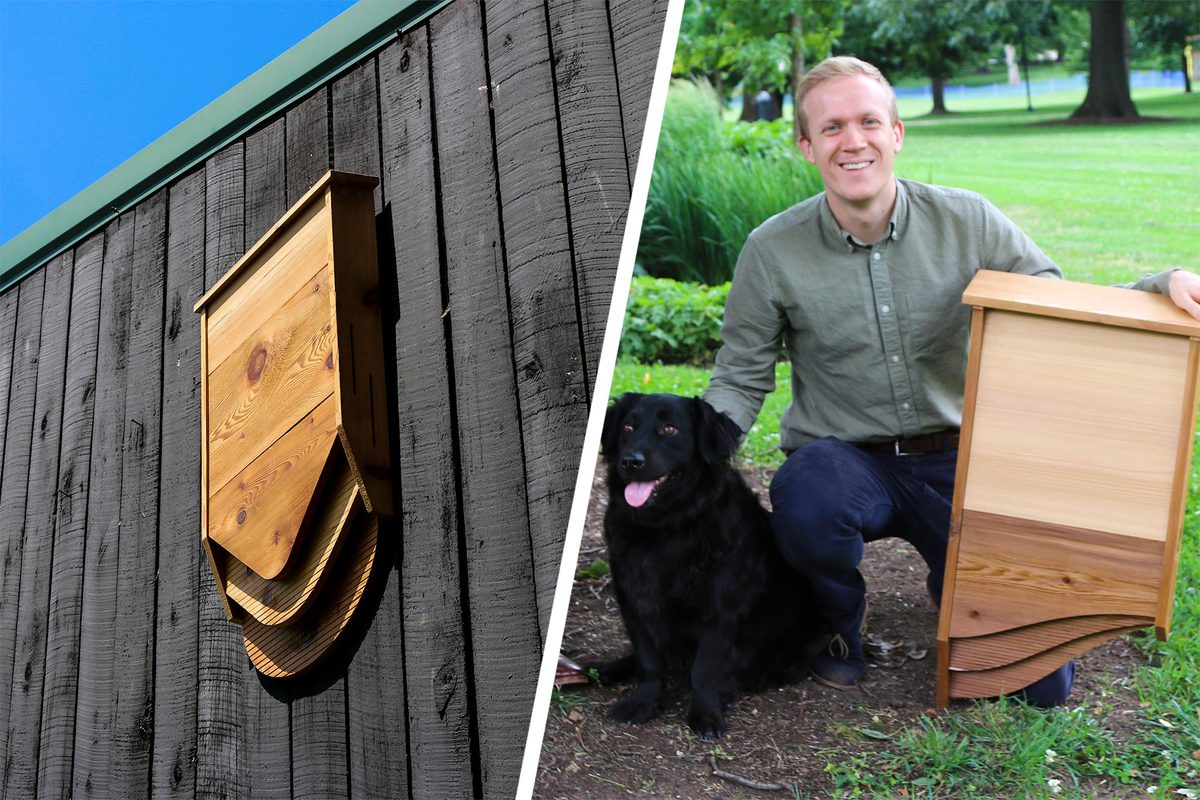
(636, 494)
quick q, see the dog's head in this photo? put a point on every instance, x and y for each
(657, 445)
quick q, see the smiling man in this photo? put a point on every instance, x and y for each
(862, 285)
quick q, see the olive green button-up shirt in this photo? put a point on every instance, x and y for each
(876, 334)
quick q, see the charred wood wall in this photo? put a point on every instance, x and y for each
(505, 134)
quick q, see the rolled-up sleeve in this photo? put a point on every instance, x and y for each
(1158, 282)
(751, 335)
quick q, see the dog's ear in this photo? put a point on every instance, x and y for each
(611, 435)
(717, 436)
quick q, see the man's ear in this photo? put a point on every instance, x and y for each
(610, 436)
(806, 148)
(898, 129)
(717, 436)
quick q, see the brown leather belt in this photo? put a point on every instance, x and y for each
(938, 442)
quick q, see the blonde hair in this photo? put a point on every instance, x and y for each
(836, 67)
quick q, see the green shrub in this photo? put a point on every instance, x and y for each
(672, 322)
(713, 183)
(763, 139)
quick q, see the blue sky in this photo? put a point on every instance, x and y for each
(85, 84)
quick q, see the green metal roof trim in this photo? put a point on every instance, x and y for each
(348, 38)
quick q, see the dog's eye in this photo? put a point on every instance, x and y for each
(627, 428)
(669, 430)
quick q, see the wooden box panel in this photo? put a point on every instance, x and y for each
(280, 373)
(1076, 423)
(1078, 420)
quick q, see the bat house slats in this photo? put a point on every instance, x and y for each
(1008, 647)
(273, 602)
(281, 371)
(254, 297)
(279, 651)
(1013, 572)
(261, 513)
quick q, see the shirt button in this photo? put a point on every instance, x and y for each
(875, 256)
(885, 308)
(895, 359)
(906, 405)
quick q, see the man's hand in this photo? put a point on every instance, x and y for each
(1184, 288)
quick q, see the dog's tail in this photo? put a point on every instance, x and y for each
(609, 672)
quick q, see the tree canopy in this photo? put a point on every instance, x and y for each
(756, 45)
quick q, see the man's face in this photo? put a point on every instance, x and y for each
(852, 140)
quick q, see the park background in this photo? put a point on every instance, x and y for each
(1106, 184)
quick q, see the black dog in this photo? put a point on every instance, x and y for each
(701, 588)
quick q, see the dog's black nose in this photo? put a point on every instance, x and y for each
(634, 460)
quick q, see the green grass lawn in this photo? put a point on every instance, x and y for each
(1109, 204)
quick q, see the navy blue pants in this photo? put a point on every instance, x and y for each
(830, 497)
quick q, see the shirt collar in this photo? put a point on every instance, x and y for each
(831, 229)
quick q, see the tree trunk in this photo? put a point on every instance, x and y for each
(1187, 81)
(776, 106)
(748, 112)
(1108, 70)
(797, 70)
(939, 95)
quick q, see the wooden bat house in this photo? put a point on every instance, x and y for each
(1078, 421)
(295, 470)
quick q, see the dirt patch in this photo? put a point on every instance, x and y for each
(783, 736)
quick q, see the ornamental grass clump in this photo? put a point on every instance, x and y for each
(713, 183)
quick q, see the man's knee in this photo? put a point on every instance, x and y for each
(816, 505)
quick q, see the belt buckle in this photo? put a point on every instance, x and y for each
(901, 452)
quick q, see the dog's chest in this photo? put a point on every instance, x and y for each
(682, 578)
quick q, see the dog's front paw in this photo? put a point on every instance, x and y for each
(706, 720)
(634, 709)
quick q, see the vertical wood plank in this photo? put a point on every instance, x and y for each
(378, 746)
(355, 124)
(94, 751)
(503, 631)
(266, 727)
(25, 705)
(266, 183)
(637, 28)
(307, 143)
(547, 346)
(598, 177)
(319, 758)
(1179, 493)
(8, 328)
(435, 657)
(137, 547)
(14, 477)
(57, 735)
(222, 656)
(176, 674)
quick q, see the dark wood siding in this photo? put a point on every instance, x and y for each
(504, 133)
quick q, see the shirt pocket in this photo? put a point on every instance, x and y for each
(935, 327)
(837, 330)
